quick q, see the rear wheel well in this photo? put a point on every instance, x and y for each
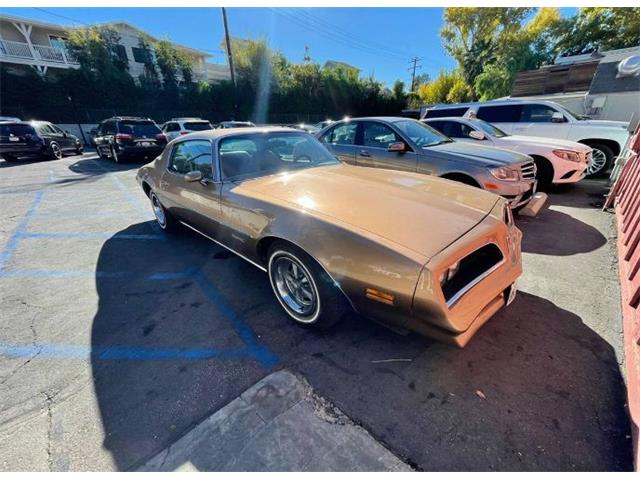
(461, 178)
(612, 144)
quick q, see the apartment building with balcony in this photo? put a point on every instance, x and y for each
(41, 45)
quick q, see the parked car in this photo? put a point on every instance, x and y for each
(9, 119)
(181, 126)
(234, 124)
(323, 124)
(36, 139)
(412, 250)
(121, 138)
(400, 143)
(305, 127)
(557, 161)
(547, 119)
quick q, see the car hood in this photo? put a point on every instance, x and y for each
(422, 213)
(544, 142)
(489, 156)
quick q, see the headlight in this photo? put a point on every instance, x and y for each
(505, 173)
(449, 273)
(567, 155)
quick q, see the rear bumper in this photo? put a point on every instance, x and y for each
(456, 322)
(136, 151)
(23, 150)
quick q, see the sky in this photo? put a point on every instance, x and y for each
(379, 41)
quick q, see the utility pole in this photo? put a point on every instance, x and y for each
(230, 58)
(412, 69)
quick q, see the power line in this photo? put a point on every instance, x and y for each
(333, 36)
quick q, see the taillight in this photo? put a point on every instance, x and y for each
(162, 137)
(183, 133)
(123, 137)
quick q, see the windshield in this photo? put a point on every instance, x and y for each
(422, 135)
(488, 128)
(139, 129)
(256, 155)
(198, 126)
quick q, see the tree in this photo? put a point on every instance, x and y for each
(448, 87)
(171, 63)
(600, 28)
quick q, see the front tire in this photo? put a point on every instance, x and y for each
(114, 155)
(601, 159)
(544, 173)
(164, 219)
(302, 287)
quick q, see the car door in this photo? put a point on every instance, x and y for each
(537, 120)
(65, 140)
(195, 202)
(505, 117)
(373, 141)
(341, 141)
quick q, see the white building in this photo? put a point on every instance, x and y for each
(41, 45)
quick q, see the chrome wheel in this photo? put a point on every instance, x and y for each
(294, 286)
(55, 151)
(597, 163)
(158, 211)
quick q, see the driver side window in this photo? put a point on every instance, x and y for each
(192, 155)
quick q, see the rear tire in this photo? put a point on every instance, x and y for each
(55, 152)
(303, 288)
(601, 161)
(165, 220)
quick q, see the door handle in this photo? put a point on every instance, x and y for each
(364, 153)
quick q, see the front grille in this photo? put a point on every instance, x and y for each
(528, 170)
(473, 268)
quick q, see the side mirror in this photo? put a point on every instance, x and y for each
(397, 147)
(193, 176)
(477, 135)
(557, 117)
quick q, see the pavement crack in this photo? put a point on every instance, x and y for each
(49, 404)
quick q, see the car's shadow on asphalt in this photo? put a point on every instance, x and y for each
(557, 233)
(96, 166)
(536, 389)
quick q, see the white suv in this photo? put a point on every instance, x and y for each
(181, 126)
(545, 119)
(557, 161)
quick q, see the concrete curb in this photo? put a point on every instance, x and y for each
(278, 424)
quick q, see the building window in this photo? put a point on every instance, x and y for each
(121, 52)
(57, 42)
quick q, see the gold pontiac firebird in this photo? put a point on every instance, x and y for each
(410, 250)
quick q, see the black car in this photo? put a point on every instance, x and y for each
(36, 140)
(119, 138)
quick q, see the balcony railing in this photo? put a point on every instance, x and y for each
(41, 53)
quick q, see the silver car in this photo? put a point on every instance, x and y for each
(405, 144)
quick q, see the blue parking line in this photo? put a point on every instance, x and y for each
(12, 244)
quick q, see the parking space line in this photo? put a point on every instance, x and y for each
(12, 244)
(94, 236)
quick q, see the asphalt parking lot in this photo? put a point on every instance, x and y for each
(116, 339)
